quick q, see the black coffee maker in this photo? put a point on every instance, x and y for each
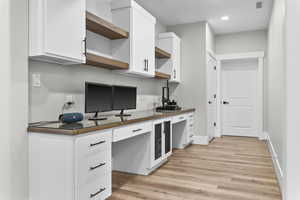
(167, 104)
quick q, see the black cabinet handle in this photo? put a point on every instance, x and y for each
(209, 102)
(100, 165)
(145, 65)
(95, 194)
(225, 102)
(98, 143)
(137, 130)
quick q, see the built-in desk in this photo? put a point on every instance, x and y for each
(74, 162)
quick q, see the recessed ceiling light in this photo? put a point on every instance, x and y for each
(225, 18)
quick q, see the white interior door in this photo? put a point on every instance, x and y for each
(239, 91)
(211, 96)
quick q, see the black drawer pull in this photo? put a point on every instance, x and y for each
(137, 130)
(98, 143)
(100, 165)
(95, 194)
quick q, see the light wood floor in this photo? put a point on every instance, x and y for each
(230, 168)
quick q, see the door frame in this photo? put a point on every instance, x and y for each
(212, 56)
(259, 55)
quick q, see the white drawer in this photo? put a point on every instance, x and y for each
(129, 131)
(100, 189)
(179, 118)
(93, 144)
(95, 166)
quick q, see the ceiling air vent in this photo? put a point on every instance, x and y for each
(259, 5)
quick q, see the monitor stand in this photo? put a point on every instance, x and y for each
(122, 114)
(96, 118)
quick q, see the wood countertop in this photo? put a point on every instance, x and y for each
(87, 126)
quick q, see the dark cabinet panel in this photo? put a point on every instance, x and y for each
(158, 141)
(167, 130)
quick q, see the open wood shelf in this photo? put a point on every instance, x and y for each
(160, 75)
(108, 63)
(104, 28)
(159, 53)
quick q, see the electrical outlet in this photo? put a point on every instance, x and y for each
(36, 80)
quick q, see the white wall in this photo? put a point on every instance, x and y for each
(14, 100)
(210, 39)
(59, 81)
(276, 86)
(242, 42)
(191, 92)
(292, 147)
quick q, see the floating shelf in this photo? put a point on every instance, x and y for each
(104, 28)
(159, 53)
(160, 75)
(108, 63)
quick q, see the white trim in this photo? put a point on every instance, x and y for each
(203, 140)
(258, 54)
(209, 55)
(250, 55)
(276, 164)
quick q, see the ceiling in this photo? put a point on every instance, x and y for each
(242, 13)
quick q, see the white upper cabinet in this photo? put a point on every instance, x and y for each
(170, 43)
(139, 50)
(57, 31)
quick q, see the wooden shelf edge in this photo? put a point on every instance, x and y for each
(108, 63)
(159, 53)
(104, 28)
(160, 75)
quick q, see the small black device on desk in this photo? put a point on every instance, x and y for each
(167, 104)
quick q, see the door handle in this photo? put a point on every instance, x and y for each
(209, 102)
(225, 102)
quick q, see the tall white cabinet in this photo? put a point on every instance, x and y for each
(139, 50)
(171, 43)
(57, 31)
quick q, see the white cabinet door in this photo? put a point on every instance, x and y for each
(176, 60)
(170, 43)
(143, 41)
(58, 31)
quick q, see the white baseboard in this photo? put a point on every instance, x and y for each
(276, 164)
(264, 136)
(203, 140)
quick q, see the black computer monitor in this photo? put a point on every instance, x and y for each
(124, 98)
(98, 98)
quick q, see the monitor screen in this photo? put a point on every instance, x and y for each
(98, 97)
(124, 98)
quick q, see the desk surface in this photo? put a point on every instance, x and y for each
(87, 126)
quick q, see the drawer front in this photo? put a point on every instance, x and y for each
(179, 118)
(131, 131)
(93, 144)
(93, 167)
(100, 189)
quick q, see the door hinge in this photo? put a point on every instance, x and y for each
(215, 124)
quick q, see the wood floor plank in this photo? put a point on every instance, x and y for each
(230, 168)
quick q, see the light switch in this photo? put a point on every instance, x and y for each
(36, 80)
